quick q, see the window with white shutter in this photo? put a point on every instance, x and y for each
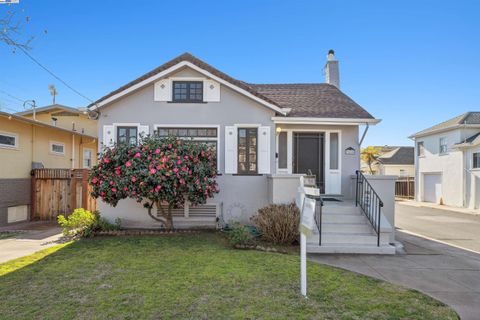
(108, 136)
(264, 150)
(230, 149)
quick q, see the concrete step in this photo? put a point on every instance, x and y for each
(365, 238)
(345, 227)
(341, 209)
(350, 248)
(343, 218)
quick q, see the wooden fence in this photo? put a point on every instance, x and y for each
(405, 187)
(59, 191)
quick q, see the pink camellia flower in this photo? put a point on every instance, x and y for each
(175, 170)
(170, 146)
(114, 189)
(182, 181)
(179, 162)
(111, 183)
(149, 158)
(94, 180)
(106, 160)
(157, 151)
(153, 171)
(125, 188)
(134, 179)
(128, 164)
(157, 188)
(137, 155)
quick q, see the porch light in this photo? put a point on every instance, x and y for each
(278, 130)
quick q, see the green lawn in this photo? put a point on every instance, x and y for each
(6, 235)
(192, 277)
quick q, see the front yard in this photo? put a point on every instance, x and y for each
(192, 277)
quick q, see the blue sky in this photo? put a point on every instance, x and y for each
(410, 63)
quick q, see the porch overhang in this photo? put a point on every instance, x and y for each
(325, 121)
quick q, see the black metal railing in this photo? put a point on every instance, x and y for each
(318, 216)
(369, 201)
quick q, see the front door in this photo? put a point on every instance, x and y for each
(308, 155)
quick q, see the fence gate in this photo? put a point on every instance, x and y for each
(59, 191)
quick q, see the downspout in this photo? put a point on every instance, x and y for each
(73, 151)
(363, 135)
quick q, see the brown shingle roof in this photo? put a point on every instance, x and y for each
(319, 100)
(199, 63)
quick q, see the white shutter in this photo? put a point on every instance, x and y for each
(231, 149)
(143, 131)
(211, 91)
(108, 136)
(264, 150)
(163, 90)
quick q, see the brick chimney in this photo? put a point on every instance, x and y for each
(332, 74)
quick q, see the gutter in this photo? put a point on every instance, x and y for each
(325, 121)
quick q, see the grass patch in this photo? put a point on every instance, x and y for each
(6, 235)
(193, 277)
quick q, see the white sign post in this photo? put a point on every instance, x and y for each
(307, 224)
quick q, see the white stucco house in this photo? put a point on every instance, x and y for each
(447, 162)
(266, 136)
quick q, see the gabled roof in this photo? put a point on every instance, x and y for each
(320, 100)
(49, 108)
(398, 156)
(195, 61)
(16, 117)
(469, 142)
(316, 100)
(467, 119)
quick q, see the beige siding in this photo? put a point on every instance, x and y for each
(66, 122)
(17, 163)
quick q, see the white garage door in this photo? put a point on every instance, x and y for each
(432, 187)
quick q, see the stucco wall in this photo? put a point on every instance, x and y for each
(81, 122)
(241, 195)
(395, 170)
(34, 145)
(449, 165)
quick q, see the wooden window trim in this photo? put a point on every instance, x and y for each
(118, 128)
(248, 172)
(188, 88)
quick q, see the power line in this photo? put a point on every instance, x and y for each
(47, 70)
(11, 96)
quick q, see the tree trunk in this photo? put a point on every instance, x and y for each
(166, 215)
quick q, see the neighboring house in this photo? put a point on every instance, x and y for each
(396, 161)
(266, 135)
(26, 144)
(447, 162)
(64, 117)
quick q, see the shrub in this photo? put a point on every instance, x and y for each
(76, 223)
(278, 223)
(84, 223)
(240, 235)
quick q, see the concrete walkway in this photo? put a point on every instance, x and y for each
(31, 238)
(449, 274)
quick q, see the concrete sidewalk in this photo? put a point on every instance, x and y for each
(446, 273)
(31, 238)
(418, 204)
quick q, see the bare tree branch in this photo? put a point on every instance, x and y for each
(11, 31)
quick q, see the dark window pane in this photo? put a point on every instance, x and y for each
(247, 150)
(282, 150)
(188, 91)
(7, 140)
(127, 135)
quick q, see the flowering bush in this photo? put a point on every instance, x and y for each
(157, 171)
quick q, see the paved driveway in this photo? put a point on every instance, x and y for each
(441, 258)
(458, 229)
(32, 237)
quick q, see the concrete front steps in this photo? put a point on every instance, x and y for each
(345, 229)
